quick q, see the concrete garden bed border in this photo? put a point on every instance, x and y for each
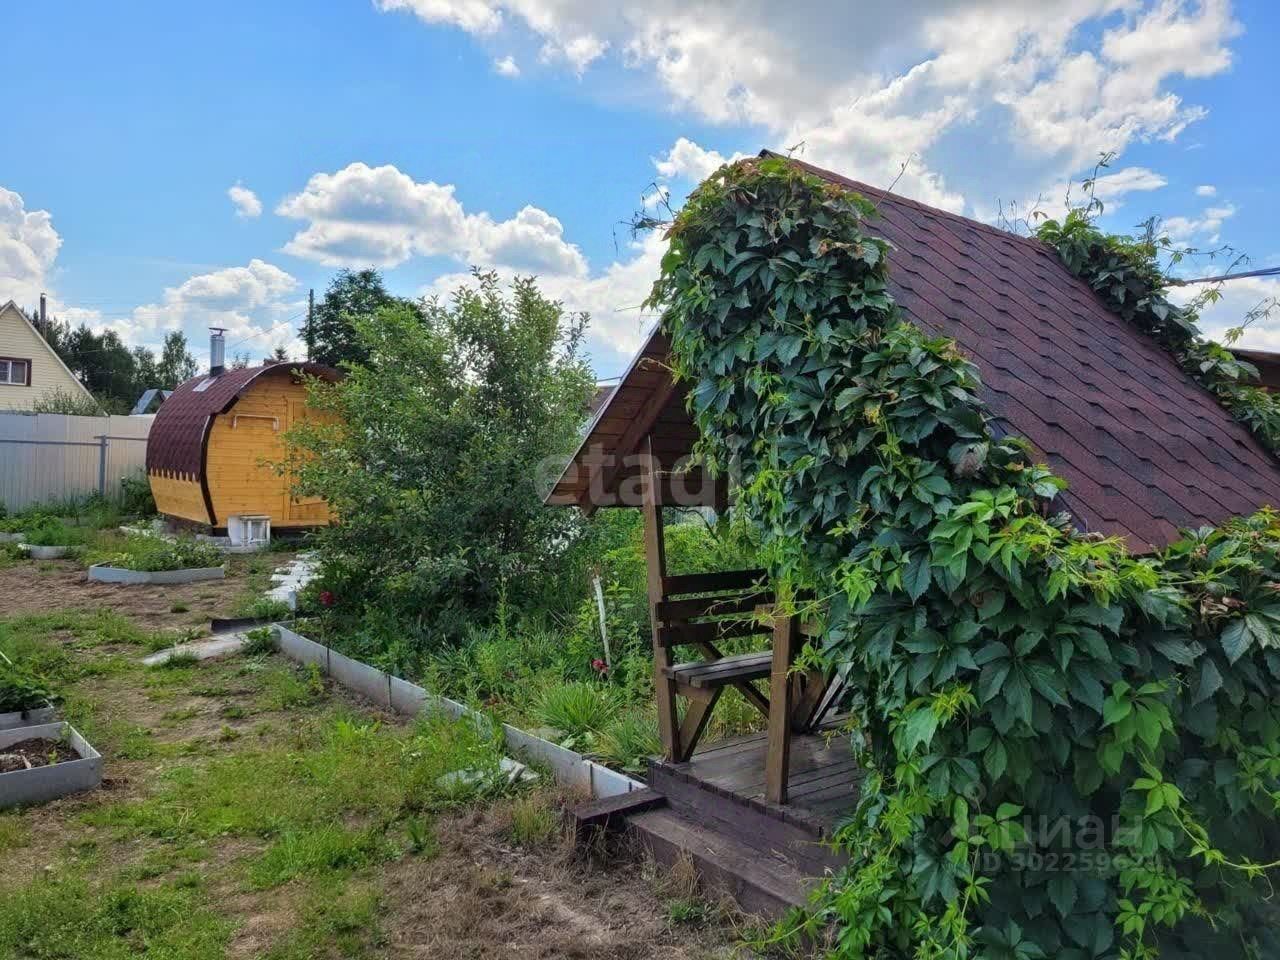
(567, 767)
(23, 788)
(108, 574)
(36, 552)
(11, 537)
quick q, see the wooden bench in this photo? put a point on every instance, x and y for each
(710, 674)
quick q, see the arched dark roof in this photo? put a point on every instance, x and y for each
(176, 442)
(1144, 448)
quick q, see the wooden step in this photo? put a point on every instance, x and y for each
(609, 813)
(723, 672)
(774, 831)
(761, 885)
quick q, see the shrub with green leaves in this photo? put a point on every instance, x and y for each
(1072, 752)
(155, 554)
(21, 690)
(629, 740)
(578, 708)
(136, 499)
(43, 531)
(16, 524)
(431, 453)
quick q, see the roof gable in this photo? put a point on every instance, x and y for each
(1144, 449)
(14, 312)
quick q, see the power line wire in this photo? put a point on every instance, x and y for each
(1268, 272)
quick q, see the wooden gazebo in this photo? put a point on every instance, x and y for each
(1145, 450)
(636, 453)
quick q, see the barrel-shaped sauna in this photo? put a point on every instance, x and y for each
(213, 448)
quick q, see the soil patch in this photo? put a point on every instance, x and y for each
(35, 752)
(65, 585)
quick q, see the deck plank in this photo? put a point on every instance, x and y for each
(824, 780)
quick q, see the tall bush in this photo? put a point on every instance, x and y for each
(430, 452)
(1072, 753)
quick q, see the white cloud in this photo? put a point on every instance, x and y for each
(380, 216)
(578, 52)
(28, 247)
(918, 93)
(1204, 227)
(1240, 298)
(245, 200)
(474, 16)
(687, 160)
(253, 303)
(1113, 186)
(1206, 190)
(869, 86)
(532, 241)
(1110, 188)
(612, 297)
(506, 66)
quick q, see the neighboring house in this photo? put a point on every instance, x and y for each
(29, 367)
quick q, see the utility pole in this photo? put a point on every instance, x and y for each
(309, 335)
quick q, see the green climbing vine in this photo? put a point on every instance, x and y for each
(1071, 752)
(1126, 273)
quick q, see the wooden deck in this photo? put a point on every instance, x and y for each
(824, 783)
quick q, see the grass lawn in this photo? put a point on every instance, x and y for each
(253, 810)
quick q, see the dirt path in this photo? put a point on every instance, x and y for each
(213, 771)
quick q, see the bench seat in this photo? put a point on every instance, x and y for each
(709, 674)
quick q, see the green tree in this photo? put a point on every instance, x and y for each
(114, 374)
(352, 295)
(105, 365)
(431, 454)
(146, 372)
(176, 364)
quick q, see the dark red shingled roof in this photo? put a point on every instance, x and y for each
(1145, 450)
(176, 442)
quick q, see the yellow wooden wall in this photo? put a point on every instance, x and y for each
(179, 496)
(241, 444)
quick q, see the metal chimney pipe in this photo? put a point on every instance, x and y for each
(44, 315)
(217, 350)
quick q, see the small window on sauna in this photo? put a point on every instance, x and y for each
(14, 372)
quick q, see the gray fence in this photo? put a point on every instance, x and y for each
(52, 456)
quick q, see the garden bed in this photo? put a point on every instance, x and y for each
(105, 573)
(38, 551)
(27, 718)
(44, 762)
(568, 767)
(148, 559)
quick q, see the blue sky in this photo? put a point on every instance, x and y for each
(423, 135)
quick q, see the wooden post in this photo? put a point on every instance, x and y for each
(778, 758)
(655, 555)
(696, 715)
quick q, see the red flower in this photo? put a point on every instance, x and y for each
(326, 598)
(599, 666)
